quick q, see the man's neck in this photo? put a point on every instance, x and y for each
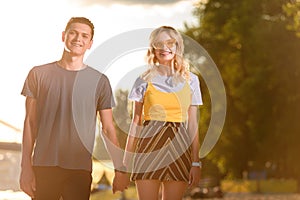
(72, 63)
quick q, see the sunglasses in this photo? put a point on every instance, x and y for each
(161, 44)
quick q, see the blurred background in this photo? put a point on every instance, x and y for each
(255, 45)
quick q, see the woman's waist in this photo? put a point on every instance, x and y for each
(164, 123)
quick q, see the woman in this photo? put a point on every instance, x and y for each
(166, 99)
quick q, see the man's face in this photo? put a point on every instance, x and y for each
(77, 39)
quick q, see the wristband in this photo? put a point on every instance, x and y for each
(197, 164)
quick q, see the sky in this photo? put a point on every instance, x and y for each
(31, 35)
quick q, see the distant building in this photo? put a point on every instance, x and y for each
(10, 156)
(9, 133)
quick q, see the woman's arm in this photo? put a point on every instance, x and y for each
(193, 132)
(194, 135)
(133, 133)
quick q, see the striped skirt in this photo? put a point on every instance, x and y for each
(163, 152)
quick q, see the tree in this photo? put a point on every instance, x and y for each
(291, 9)
(257, 58)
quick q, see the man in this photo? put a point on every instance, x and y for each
(62, 102)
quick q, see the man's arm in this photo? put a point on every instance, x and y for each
(110, 137)
(27, 179)
(121, 179)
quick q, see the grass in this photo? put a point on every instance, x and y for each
(228, 186)
(275, 186)
(263, 186)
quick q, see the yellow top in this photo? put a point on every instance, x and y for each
(167, 106)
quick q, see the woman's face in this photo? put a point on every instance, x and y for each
(164, 48)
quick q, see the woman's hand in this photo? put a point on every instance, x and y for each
(121, 181)
(195, 174)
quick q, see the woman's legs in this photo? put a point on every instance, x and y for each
(173, 190)
(147, 189)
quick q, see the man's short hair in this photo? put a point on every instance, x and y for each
(82, 20)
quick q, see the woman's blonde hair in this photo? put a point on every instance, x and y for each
(180, 68)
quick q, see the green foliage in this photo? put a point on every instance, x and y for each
(291, 9)
(257, 57)
(121, 116)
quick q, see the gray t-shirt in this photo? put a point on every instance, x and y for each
(67, 105)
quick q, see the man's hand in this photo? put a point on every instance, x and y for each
(121, 181)
(27, 181)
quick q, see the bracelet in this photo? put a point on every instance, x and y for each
(197, 164)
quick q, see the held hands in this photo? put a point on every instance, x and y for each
(195, 174)
(27, 181)
(121, 181)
